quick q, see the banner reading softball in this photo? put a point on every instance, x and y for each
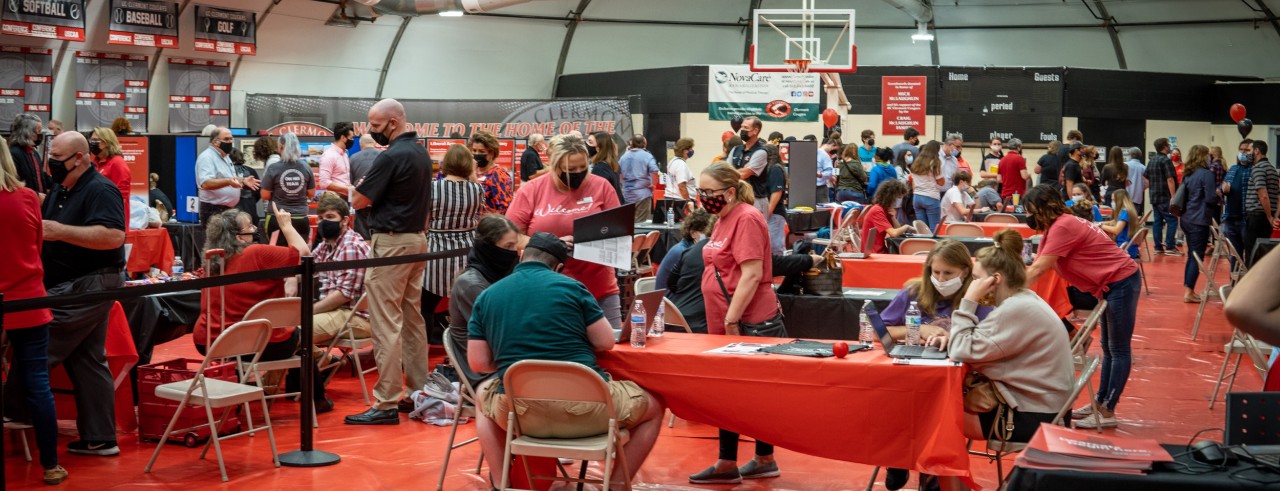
(226, 31)
(52, 19)
(736, 91)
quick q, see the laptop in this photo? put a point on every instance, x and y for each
(895, 350)
(651, 301)
(607, 224)
(1249, 430)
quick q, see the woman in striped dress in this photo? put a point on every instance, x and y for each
(457, 204)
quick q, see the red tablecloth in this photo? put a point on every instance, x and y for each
(151, 248)
(989, 229)
(860, 409)
(894, 270)
(121, 356)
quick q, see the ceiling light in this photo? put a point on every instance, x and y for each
(922, 34)
(451, 13)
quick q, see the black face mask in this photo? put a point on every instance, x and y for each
(493, 262)
(38, 140)
(58, 170)
(381, 138)
(573, 179)
(226, 147)
(329, 229)
(94, 148)
(350, 143)
(482, 159)
(591, 150)
(871, 142)
(746, 135)
(1032, 222)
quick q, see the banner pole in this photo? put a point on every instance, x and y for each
(307, 455)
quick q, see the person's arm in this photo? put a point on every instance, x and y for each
(774, 198)
(752, 271)
(327, 163)
(1114, 229)
(1042, 263)
(897, 231)
(1172, 187)
(331, 302)
(600, 335)
(360, 201)
(1024, 173)
(1253, 306)
(480, 357)
(96, 237)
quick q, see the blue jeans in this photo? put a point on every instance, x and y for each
(1233, 228)
(1117, 333)
(777, 232)
(847, 195)
(31, 364)
(927, 209)
(1165, 227)
(1197, 244)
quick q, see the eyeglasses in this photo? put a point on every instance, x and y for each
(252, 230)
(709, 192)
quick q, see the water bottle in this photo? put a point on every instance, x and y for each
(637, 326)
(659, 320)
(866, 334)
(671, 219)
(178, 268)
(913, 325)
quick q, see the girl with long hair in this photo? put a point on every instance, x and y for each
(926, 184)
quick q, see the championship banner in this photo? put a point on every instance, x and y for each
(26, 82)
(902, 104)
(984, 103)
(110, 86)
(144, 23)
(736, 91)
(515, 119)
(50, 19)
(199, 94)
(226, 31)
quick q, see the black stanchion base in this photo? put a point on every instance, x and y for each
(308, 458)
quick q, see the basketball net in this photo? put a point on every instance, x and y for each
(798, 65)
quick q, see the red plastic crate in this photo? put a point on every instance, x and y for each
(154, 413)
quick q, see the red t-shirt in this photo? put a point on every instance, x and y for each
(539, 207)
(22, 275)
(115, 170)
(1087, 257)
(243, 296)
(1011, 167)
(739, 236)
(878, 218)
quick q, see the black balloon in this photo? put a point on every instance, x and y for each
(1245, 126)
(736, 123)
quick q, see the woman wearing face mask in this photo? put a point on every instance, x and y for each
(497, 182)
(880, 216)
(457, 203)
(551, 204)
(881, 172)
(683, 279)
(492, 257)
(1080, 194)
(105, 150)
(926, 183)
(738, 260)
(289, 185)
(991, 160)
(1089, 260)
(605, 162)
(957, 205)
(692, 230)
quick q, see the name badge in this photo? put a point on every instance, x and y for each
(584, 201)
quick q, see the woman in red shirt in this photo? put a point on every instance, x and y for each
(1089, 260)
(233, 232)
(880, 216)
(22, 277)
(110, 161)
(738, 259)
(551, 204)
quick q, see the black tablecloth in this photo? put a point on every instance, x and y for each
(1163, 477)
(669, 236)
(981, 216)
(1262, 247)
(158, 319)
(815, 317)
(188, 240)
(808, 221)
(972, 243)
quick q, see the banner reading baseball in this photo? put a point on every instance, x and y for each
(26, 82)
(199, 94)
(51, 19)
(736, 91)
(226, 31)
(110, 86)
(144, 23)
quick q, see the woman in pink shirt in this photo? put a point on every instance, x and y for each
(551, 204)
(1089, 260)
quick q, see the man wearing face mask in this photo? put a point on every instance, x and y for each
(867, 151)
(1233, 189)
(341, 289)
(397, 189)
(531, 162)
(216, 177)
(948, 155)
(498, 184)
(25, 139)
(752, 162)
(335, 167)
(910, 142)
(84, 230)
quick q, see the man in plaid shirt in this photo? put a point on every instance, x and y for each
(1162, 182)
(341, 289)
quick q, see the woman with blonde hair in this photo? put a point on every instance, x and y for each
(926, 184)
(105, 150)
(457, 204)
(605, 162)
(737, 288)
(569, 191)
(1125, 222)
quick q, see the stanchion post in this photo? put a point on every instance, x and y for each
(2, 473)
(307, 455)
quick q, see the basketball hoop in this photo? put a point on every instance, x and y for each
(798, 65)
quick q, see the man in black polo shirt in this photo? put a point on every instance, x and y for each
(84, 224)
(530, 162)
(752, 162)
(397, 190)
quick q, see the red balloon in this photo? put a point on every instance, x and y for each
(830, 117)
(1237, 112)
(724, 137)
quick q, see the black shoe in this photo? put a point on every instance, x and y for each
(323, 406)
(405, 406)
(84, 447)
(374, 417)
(895, 479)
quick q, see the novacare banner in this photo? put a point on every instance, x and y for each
(736, 91)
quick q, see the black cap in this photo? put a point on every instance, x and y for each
(549, 244)
(1075, 146)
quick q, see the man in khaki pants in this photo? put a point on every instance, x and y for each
(397, 190)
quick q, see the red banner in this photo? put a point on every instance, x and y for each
(902, 101)
(139, 39)
(134, 150)
(42, 31)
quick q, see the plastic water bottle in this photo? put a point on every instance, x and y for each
(913, 325)
(638, 330)
(671, 220)
(178, 268)
(659, 320)
(866, 334)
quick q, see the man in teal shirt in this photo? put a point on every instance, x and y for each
(538, 314)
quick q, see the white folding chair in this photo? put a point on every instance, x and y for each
(347, 343)
(562, 381)
(281, 313)
(964, 230)
(1207, 270)
(645, 285)
(245, 338)
(1000, 218)
(466, 402)
(916, 245)
(1240, 345)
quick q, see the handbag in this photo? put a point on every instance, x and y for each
(1178, 204)
(982, 396)
(772, 328)
(826, 279)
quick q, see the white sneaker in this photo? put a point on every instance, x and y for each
(1082, 413)
(1090, 423)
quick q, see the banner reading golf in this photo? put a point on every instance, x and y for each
(226, 31)
(26, 82)
(199, 94)
(736, 91)
(51, 19)
(144, 23)
(110, 86)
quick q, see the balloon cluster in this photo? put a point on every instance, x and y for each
(1243, 125)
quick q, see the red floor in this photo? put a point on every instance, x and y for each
(1166, 399)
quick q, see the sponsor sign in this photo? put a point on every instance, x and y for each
(736, 91)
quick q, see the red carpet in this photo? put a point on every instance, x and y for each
(1166, 399)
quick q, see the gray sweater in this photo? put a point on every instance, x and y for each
(1022, 346)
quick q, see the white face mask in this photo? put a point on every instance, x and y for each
(949, 287)
(897, 203)
(1077, 197)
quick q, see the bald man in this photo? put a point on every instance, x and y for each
(219, 184)
(397, 193)
(84, 228)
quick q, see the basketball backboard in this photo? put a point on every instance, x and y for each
(805, 39)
